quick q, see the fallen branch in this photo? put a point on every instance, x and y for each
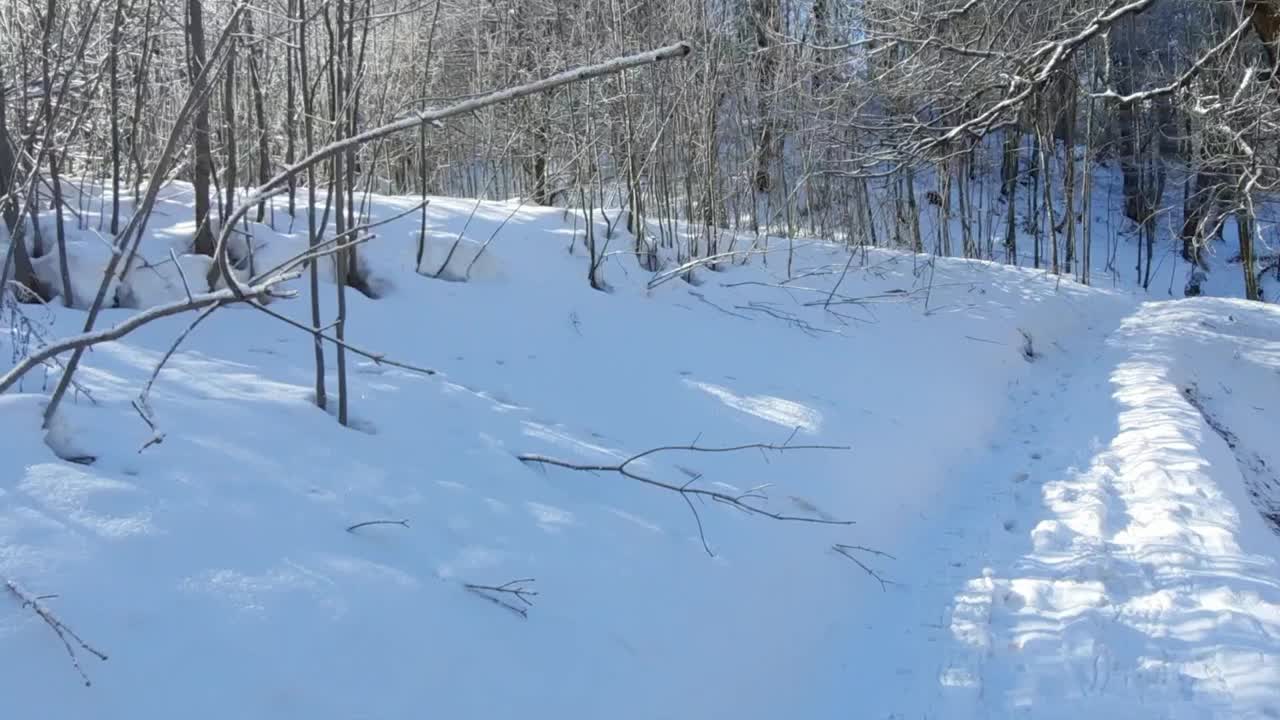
(367, 523)
(83, 341)
(514, 588)
(59, 629)
(789, 318)
(849, 550)
(377, 358)
(432, 118)
(742, 501)
(144, 412)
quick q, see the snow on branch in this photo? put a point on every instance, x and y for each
(433, 117)
(86, 340)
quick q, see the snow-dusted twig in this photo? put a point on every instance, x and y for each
(684, 268)
(1185, 78)
(514, 588)
(742, 501)
(59, 628)
(144, 412)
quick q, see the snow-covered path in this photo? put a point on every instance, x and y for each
(1117, 580)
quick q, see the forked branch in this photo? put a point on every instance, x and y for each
(747, 502)
(515, 589)
(849, 550)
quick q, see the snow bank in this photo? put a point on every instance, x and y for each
(1025, 530)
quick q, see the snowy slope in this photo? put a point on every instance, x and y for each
(1067, 532)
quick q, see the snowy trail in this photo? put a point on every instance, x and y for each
(938, 633)
(1112, 557)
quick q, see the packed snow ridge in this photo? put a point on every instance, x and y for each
(1063, 500)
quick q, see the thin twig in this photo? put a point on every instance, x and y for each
(848, 550)
(59, 629)
(186, 286)
(513, 588)
(742, 501)
(367, 523)
(377, 358)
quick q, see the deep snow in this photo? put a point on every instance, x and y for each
(1068, 532)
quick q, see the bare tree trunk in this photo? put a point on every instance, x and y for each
(1086, 210)
(231, 163)
(766, 19)
(1069, 187)
(313, 239)
(8, 172)
(1047, 147)
(1248, 264)
(113, 59)
(291, 111)
(17, 257)
(203, 166)
(140, 86)
(338, 103)
(1010, 188)
(913, 213)
(259, 111)
(1036, 163)
(55, 179)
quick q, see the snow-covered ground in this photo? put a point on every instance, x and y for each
(1068, 485)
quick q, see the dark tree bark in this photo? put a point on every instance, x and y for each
(313, 239)
(231, 165)
(203, 170)
(337, 104)
(113, 60)
(260, 114)
(766, 22)
(8, 169)
(55, 177)
(1244, 227)
(140, 87)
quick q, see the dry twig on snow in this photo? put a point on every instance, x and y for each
(849, 550)
(367, 523)
(514, 588)
(742, 501)
(59, 629)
